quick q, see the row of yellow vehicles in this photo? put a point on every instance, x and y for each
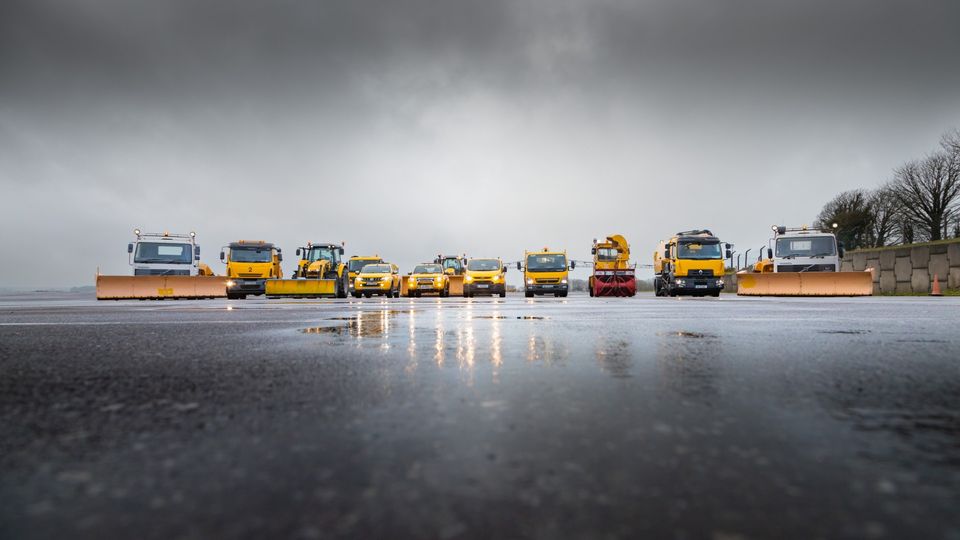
(800, 262)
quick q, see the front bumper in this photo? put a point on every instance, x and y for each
(380, 287)
(425, 287)
(546, 288)
(247, 286)
(698, 285)
(484, 288)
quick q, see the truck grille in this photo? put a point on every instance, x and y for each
(155, 272)
(700, 273)
(548, 281)
(425, 281)
(806, 268)
(249, 275)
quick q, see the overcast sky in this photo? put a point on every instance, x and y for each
(411, 127)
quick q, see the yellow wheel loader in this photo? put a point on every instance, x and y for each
(320, 272)
(454, 268)
(165, 266)
(803, 262)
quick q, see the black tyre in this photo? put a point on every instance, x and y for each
(716, 294)
(503, 294)
(563, 295)
(367, 295)
(528, 294)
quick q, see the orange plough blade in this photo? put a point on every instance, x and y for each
(805, 283)
(160, 287)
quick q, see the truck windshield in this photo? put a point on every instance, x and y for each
(542, 262)
(325, 253)
(157, 252)
(606, 254)
(807, 246)
(483, 264)
(376, 269)
(699, 250)
(452, 263)
(356, 265)
(428, 269)
(251, 254)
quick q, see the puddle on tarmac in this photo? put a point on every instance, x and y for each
(502, 317)
(844, 332)
(688, 335)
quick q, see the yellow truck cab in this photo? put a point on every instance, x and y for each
(545, 272)
(690, 263)
(428, 278)
(323, 261)
(484, 276)
(382, 279)
(355, 264)
(250, 263)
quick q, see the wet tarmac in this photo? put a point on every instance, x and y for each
(486, 418)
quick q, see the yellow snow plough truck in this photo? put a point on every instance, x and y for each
(803, 262)
(250, 264)
(164, 266)
(320, 272)
(690, 263)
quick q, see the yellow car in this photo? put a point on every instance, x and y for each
(485, 276)
(380, 279)
(428, 278)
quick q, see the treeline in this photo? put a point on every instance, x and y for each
(921, 203)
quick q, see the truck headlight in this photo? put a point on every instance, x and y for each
(564, 281)
(679, 282)
(529, 281)
(468, 279)
(385, 278)
(720, 282)
(231, 283)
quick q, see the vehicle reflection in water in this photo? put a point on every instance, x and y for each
(366, 324)
(614, 357)
(689, 362)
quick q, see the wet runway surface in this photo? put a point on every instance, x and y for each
(584, 418)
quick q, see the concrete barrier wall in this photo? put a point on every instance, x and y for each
(908, 269)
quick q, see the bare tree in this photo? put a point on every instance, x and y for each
(928, 191)
(851, 212)
(885, 210)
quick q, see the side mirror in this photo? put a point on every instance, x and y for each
(279, 257)
(503, 270)
(840, 249)
(519, 266)
(223, 257)
(593, 251)
(196, 252)
(409, 273)
(340, 249)
(129, 248)
(728, 255)
(769, 253)
(728, 246)
(298, 252)
(573, 264)
(666, 254)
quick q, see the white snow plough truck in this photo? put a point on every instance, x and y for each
(803, 262)
(164, 265)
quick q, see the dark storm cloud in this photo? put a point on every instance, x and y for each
(485, 126)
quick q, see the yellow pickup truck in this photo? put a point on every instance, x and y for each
(378, 279)
(355, 264)
(428, 278)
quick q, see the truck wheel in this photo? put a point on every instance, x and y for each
(503, 294)
(563, 295)
(356, 295)
(715, 294)
(528, 294)
(367, 295)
